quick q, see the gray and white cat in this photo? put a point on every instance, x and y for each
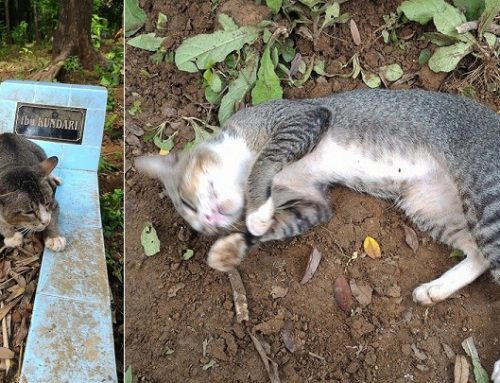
(27, 190)
(436, 155)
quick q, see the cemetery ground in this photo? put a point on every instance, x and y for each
(22, 62)
(181, 324)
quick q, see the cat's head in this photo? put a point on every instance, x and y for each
(26, 196)
(202, 190)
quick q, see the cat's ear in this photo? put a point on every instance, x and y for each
(156, 166)
(47, 166)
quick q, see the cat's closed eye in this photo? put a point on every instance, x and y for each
(188, 205)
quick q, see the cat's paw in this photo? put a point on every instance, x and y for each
(15, 241)
(227, 252)
(55, 243)
(259, 221)
(495, 376)
(430, 293)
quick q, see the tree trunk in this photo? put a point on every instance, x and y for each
(72, 36)
(36, 28)
(7, 23)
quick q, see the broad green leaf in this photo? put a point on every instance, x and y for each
(307, 72)
(128, 375)
(391, 72)
(448, 19)
(135, 17)
(239, 87)
(287, 50)
(268, 86)
(149, 240)
(227, 23)
(445, 59)
(275, 5)
(332, 11)
(491, 10)
(310, 3)
(266, 35)
(421, 11)
(472, 8)
(424, 56)
(199, 51)
(370, 79)
(480, 374)
(147, 41)
(161, 24)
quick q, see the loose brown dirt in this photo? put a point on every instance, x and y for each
(182, 305)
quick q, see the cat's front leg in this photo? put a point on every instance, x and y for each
(13, 239)
(52, 238)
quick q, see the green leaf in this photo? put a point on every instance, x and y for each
(239, 87)
(307, 72)
(275, 5)
(168, 351)
(268, 86)
(147, 41)
(490, 39)
(439, 39)
(161, 24)
(211, 96)
(135, 17)
(491, 9)
(128, 375)
(421, 11)
(445, 59)
(157, 57)
(457, 253)
(200, 134)
(448, 19)
(149, 240)
(391, 72)
(188, 254)
(227, 23)
(213, 80)
(332, 11)
(480, 374)
(209, 365)
(472, 8)
(370, 79)
(287, 50)
(199, 51)
(424, 56)
(166, 144)
(319, 66)
(385, 36)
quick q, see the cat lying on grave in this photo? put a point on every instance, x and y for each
(437, 156)
(27, 190)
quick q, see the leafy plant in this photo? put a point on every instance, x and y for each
(112, 212)
(453, 46)
(72, 64)
(19, 33)
(98, 26)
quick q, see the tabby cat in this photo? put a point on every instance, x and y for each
(436, 155)
(27, 190)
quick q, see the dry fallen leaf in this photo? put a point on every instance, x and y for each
(343, 294)
(312, 265)
(372, 248)
(362, 293)
(286, 334)
(411, 238)
(461, 371)
(355, 32)
(278, 292)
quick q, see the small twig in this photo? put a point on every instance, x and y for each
(5, 340)
(315, 355)
(473, 25)
(268, 362)
(239, 296)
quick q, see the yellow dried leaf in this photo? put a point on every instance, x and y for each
(164, 152)
(372, 248)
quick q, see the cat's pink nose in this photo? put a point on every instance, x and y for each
(212, 219)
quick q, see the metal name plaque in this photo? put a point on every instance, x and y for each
(50, 123)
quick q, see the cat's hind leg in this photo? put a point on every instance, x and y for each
(293, 216)
(435, 206)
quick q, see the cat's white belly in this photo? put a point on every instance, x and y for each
(332, 163)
